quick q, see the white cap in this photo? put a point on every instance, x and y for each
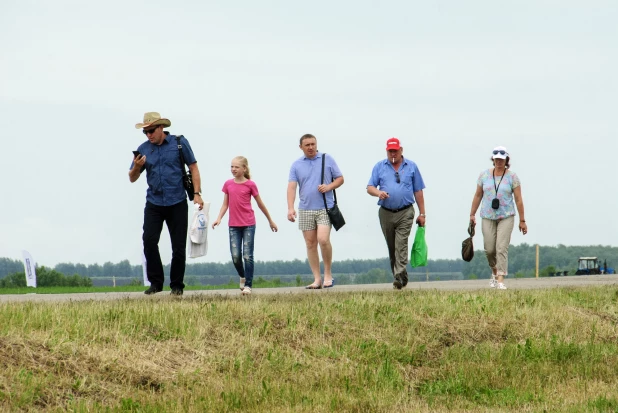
(499, 152)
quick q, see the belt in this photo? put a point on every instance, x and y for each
(397, 210)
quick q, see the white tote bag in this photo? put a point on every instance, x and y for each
(198, 232)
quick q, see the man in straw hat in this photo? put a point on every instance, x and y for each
(166, 198)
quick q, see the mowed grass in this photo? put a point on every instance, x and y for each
(534, 350)
(232, 285)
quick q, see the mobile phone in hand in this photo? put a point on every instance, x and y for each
(136, 154)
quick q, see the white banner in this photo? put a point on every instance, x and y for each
(145, 273)
(29, 269)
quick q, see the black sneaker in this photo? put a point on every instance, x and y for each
(397, 285)
(176, 291)
(153, 290)
(404, 283)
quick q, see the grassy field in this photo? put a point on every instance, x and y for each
(257, 283)
(535, 350)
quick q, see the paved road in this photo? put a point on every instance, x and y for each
(465, 285)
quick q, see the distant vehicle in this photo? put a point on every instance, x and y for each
(588, 266)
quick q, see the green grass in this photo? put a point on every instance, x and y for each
(257, 282)
(537, 350)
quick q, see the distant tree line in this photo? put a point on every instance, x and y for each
(521, 259)
(45, 277)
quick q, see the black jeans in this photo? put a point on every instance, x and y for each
(177, 219)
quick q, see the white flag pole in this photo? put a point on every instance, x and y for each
(29, 269)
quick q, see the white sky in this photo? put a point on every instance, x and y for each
(451, 79)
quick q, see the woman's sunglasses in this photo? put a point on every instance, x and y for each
(151, 130)
(500, 152)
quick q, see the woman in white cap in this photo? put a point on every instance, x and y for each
(498, 191)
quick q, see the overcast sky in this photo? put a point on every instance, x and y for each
(450, 79)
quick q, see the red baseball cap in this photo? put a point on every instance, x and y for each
(393, 143)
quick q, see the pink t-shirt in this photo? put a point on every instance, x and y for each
(239, 197)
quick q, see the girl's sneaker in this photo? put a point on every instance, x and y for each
(493, 283)
(501, 286)
(242, 283)
(246, 291)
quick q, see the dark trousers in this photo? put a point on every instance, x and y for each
(177, 219)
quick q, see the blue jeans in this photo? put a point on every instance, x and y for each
(241, 247)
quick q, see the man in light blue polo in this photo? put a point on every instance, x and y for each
(398, 184)
(313, 221)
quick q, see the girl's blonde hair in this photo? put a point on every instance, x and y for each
(245, 164)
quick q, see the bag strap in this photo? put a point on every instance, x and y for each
(471, 228)
(322, 181)
(182, 158)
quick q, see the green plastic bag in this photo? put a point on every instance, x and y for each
(418, 255)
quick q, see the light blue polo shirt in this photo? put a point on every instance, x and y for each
(163, 173)
(307, 173)
(400, 194)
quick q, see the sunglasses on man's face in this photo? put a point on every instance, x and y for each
(500, 152)
(149, 131)
(397, 177)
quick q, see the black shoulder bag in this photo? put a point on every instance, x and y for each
(334, 214)
(187, 179)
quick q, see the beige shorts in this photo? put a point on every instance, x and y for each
(308, 220)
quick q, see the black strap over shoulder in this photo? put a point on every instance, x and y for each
(187, 179)
(322, 181)
(182, 158)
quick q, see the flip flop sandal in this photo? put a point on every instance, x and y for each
(313, 287)
(332, 283)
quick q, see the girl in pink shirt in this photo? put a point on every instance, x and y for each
(238, 193)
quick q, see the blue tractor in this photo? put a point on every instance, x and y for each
(588, 266)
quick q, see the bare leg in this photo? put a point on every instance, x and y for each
(311, 241)
(327, 251)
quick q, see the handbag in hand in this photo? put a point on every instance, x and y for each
(187, 179)
(467, 248)
(334, 214)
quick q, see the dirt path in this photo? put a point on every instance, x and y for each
(465, 285)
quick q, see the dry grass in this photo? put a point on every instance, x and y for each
(553, 350)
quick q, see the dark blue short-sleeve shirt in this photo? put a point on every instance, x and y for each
(163, 170)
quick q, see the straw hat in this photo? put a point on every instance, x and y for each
(153, 119)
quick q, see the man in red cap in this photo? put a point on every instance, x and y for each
(398, 184)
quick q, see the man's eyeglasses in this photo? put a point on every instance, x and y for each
(151, 130)
(397, 177)
(500, 152)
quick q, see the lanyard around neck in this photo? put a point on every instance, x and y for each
(494, 175)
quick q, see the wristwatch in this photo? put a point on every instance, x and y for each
(422, 215)
(197, 193)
